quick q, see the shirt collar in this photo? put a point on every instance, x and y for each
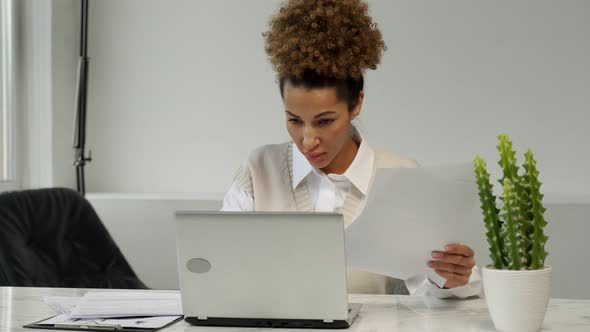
(358, 173)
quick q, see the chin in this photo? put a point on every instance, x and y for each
(321, 165)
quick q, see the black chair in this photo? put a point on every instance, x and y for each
(54, 238)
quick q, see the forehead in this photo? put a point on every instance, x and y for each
(301, 100)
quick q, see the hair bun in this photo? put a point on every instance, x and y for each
(334, 38)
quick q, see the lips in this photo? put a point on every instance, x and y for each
(314, 156)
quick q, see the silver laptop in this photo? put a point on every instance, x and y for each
(263, 269)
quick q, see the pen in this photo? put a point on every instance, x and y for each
(106, 327)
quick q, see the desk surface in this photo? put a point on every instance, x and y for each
(20, 306)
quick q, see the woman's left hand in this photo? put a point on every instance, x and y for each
(454, 264)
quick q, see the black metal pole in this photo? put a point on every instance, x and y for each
(80, 157)
(84, 28)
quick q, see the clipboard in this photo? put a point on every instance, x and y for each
(115, 324)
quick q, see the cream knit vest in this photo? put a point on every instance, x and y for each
(267, 176)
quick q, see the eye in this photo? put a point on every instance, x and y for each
(325, 122)
(295, 121)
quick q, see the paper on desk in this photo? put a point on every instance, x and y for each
(119, 304)
(134, 322)
(408, 214)
(63, 304)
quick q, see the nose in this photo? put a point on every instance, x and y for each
(310, 139)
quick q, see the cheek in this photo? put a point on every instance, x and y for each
(337, 137)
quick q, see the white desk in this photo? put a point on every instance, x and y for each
(20, 306)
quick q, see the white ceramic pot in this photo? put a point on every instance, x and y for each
(517, 300)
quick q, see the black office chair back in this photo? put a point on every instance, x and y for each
(54, 238)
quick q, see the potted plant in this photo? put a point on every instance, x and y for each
(517, 283)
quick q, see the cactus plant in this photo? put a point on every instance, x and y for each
(515, 233)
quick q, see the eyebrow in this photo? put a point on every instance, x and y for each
(316, 116)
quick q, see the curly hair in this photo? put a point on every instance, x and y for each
(330, 38)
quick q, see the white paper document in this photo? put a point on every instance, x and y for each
(109, 304)
(127, 303)
(63, 304)
(408, 214)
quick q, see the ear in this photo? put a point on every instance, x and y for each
(357, 109)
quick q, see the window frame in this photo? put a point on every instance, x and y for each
(10, 179)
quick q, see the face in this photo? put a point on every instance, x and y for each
(319, 124)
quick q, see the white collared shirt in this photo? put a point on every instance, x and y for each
(328, 192)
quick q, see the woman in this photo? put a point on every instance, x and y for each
(319, 50)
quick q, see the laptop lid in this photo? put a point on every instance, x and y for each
(251, 265)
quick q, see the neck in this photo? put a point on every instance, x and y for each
(344, 158)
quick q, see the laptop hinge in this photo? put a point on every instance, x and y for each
(201, 317)
(328, 321)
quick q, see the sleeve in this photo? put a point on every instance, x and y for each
(240, 196)
(237, 199)
(421, 285)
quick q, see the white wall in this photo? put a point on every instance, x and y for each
(46, 38)
(65, 41)
(181, 90)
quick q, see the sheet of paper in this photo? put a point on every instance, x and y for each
(63, 304)
(137, 322)
(127, 303)
(408, 214)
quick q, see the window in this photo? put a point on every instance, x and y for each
(7, 111)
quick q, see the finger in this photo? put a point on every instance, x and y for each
(449, 267)
(459, 249)
(453, 280)
(454, 259)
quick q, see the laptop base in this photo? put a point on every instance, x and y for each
(278, 323)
